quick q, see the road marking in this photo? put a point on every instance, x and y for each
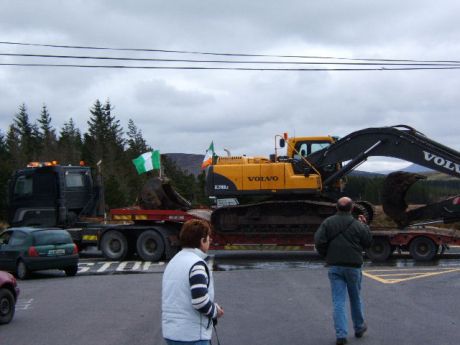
(406, 274)
(24, 304)
(118, 266)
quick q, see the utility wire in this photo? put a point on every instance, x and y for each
(227, 61)
(232, 68)
(220, 54)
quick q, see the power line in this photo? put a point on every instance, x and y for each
(232, 68)
(221, 54)
(226, 61)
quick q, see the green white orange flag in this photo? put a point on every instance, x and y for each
(147, 161)
(208, 156)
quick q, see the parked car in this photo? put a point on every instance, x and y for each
(9, 292)
(25, 249)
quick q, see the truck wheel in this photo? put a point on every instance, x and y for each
(6, 306)
(422, 249)
(150, 246)
(22, 272)
(380, 250)
(114, 245)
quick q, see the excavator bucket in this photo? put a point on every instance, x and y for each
(158, 194)
(394, 205)
(394, 192)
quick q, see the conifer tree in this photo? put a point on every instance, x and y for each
(70, 144)
(27, 135)
(104, 141)
(13, 148)
(5, 173)
(136, 143)
(47, 135)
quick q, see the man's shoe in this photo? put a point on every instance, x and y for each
(341, 341)
(360, 333)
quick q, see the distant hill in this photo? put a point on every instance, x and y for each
(366, 174)
(188, 162)
(415, 168)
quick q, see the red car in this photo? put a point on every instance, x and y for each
(9, 292)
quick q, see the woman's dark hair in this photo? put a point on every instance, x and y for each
(193, 231)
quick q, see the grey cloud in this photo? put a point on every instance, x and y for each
(182, 111)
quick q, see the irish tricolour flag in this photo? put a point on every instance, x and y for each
(147, 161)
(208, 156)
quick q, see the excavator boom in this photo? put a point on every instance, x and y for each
(399, 142)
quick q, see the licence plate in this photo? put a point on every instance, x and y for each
(56, 252)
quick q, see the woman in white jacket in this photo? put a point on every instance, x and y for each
(188, 307)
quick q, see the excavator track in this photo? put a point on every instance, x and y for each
(289, 217)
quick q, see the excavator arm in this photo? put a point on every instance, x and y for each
(401, 142)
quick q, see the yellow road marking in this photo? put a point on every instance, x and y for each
(419, 273)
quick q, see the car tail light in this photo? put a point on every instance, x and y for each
(75, 249)
(32, 251)
(456, 201)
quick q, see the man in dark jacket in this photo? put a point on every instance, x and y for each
(341, 239)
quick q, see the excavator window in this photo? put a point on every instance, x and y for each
(308, 147)
(318, 146)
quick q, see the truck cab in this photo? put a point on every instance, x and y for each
(48, 194)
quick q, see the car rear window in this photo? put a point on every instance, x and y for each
(51, 237)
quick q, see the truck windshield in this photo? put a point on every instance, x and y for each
(74, 180)
(23, 186)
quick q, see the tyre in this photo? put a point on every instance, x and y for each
(71, 271)
(369, 209)
(114, 245)
(380, 250)
(422, 249)
(150, 246)
(22, 272)
(7, 306)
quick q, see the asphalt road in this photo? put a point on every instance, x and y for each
(265, 303)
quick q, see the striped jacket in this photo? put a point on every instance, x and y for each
(187, 297)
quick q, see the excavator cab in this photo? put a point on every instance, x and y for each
(277, 176)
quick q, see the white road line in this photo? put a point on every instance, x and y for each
(24, 304)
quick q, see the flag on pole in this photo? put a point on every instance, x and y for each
(147, 161)
(208, 156)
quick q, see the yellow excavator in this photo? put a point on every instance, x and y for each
(299, 189)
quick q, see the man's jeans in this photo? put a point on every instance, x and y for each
(343, 279)
(198, 342)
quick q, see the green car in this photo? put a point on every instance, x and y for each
(25, 249)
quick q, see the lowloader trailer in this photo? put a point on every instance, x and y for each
(154, 236)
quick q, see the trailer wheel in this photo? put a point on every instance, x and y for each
(150, 246)
(422, 249)
(114, 245)
(380, 250)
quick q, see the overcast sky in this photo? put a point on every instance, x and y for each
(183, 110)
